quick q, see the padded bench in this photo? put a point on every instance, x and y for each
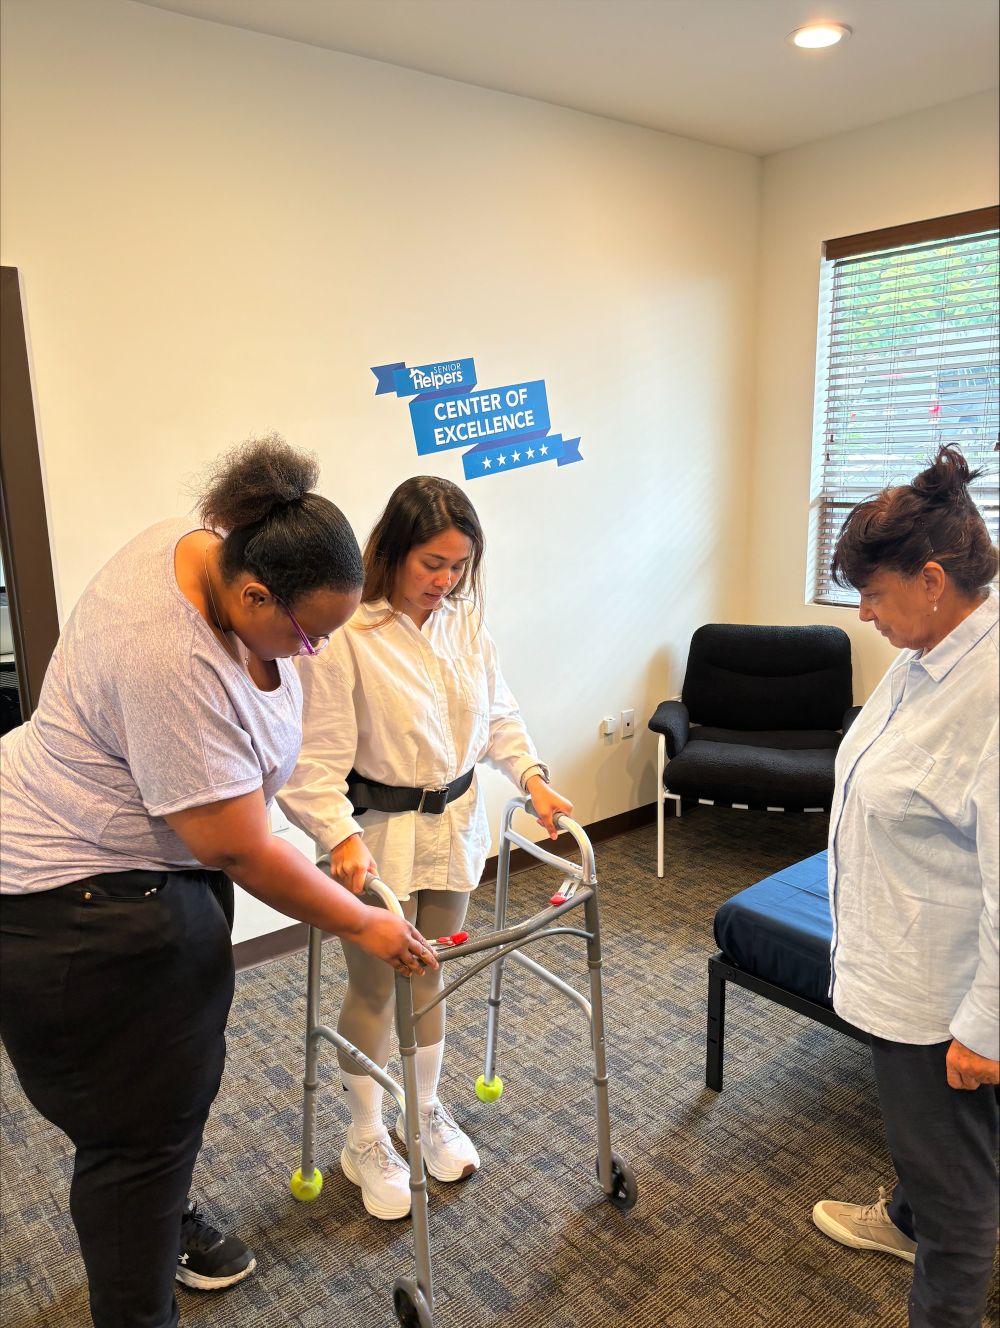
(774, 939)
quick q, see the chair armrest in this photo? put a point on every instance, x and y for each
(850, 716)
(671, 718)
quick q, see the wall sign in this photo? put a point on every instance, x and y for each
(504, 428)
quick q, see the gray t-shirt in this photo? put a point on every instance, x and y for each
(142, 713)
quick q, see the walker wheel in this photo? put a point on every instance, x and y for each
(410, 1304)
(489, 1092)
(624, 1190)
(303, 1189)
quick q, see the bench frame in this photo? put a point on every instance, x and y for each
(722, 970)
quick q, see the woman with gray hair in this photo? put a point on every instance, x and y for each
(913, 885)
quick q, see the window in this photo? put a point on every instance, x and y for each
(907, 359)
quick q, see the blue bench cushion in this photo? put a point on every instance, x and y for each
(780, 929)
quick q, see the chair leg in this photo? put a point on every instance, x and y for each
(715, 1042)
(659, 832)
(661, 796)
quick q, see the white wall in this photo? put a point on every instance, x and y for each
(929, 164)
(219, 232)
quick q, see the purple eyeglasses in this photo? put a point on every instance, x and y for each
(310, 646)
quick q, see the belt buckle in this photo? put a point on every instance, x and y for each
(434, 800)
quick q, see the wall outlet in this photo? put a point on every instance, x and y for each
(608, 726)
(628, 724)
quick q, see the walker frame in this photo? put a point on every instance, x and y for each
(413, 1299)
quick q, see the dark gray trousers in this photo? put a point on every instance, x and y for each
(943, 1143)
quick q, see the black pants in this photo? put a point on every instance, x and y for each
(115, 995)
(943, 1143)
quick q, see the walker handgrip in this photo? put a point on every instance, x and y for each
(529, 807)
(562, 822)
(385, 893)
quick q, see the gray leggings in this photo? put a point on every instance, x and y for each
(367, 1012)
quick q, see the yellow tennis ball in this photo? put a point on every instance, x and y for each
(489, 1092)
(306, 1190)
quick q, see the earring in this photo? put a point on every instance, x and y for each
(934, 609)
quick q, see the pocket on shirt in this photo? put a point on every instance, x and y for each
(890, 774)
(471, 677)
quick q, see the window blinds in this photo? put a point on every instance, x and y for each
(907, 360)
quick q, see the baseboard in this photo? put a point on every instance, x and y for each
(290, 940)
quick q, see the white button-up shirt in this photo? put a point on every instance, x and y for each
(415, 708)
(913, 848)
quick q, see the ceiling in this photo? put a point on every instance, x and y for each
(719, 71)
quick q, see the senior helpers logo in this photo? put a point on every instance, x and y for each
(505, 428)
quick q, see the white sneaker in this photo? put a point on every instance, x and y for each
(382, 1174)
(449, 1153)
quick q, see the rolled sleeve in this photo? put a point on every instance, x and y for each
(509, 748)
(315, 797)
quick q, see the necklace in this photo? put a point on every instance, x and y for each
(245, 661)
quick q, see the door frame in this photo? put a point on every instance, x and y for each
(24, 528)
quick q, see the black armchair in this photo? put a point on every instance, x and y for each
(761, 715)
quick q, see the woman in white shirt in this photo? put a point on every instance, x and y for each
(396, 715)
(914, 888)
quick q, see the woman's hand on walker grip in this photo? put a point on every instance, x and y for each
(547, 803)
(350, 863)
(392, 938)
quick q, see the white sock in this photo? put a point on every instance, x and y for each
(428, 1074)
(364, 1098)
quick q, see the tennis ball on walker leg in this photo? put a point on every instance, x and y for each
(489, 1092)
(304, 1189)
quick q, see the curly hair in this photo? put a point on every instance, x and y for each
(932, 519)
(258, 496)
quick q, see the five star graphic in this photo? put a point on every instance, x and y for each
(514, 457)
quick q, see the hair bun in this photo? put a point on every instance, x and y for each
(250, 481)
(946, 478)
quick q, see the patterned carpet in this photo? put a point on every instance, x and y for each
(721, 1234)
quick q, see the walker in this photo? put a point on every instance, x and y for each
(413, 1299)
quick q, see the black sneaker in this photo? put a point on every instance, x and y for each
(208, 1260)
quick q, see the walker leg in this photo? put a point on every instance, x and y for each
(418, 1176)
(616, 1176)
(594, 964)
(490, 1086)
(307, 1181)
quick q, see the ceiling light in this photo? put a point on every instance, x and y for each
(817, 35)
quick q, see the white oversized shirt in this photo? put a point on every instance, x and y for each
(414, 708)
(913, 864)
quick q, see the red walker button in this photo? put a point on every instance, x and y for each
(558, 899)
(459, 938)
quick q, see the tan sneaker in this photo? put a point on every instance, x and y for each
(864, 1226)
